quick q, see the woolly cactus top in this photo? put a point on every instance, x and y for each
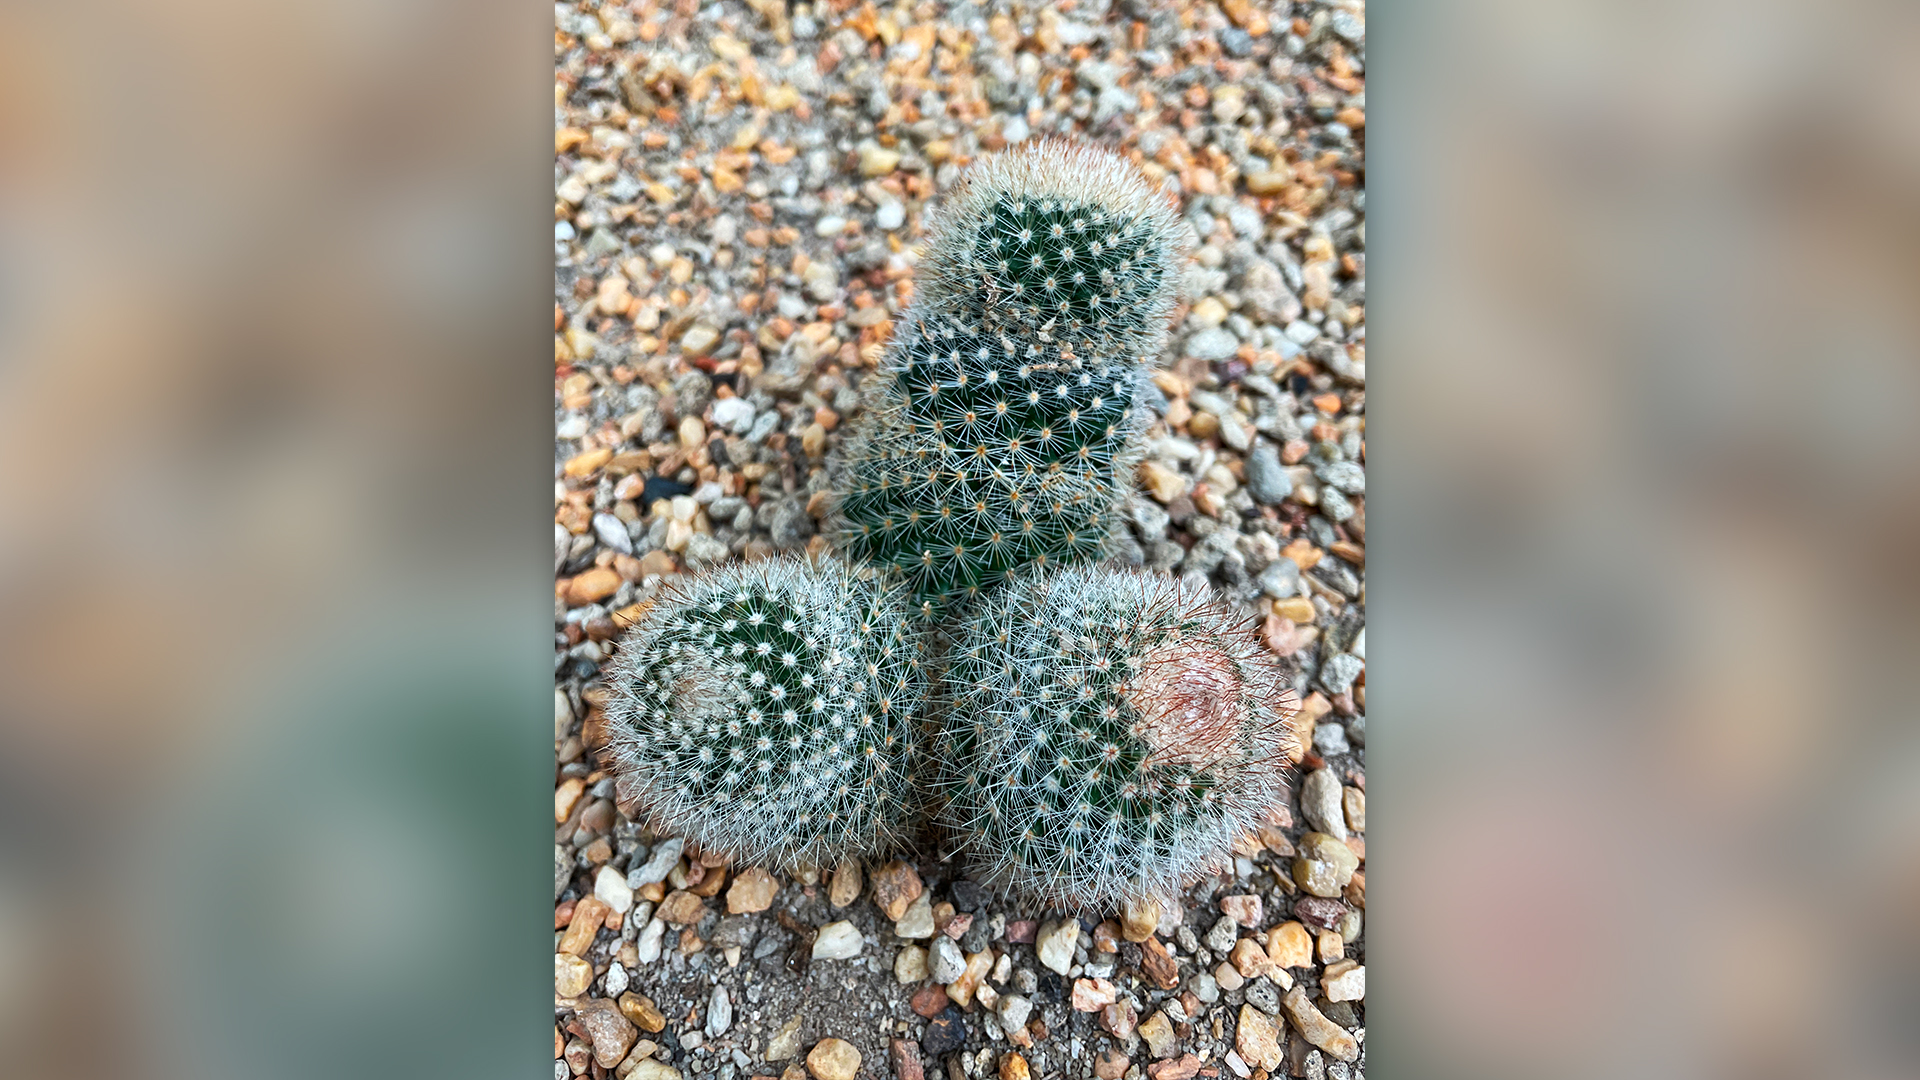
(1111, 734)
(985, 454)
(1062, 240)
(769, 711)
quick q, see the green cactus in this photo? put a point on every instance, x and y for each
(1059, 242)
(1003, 428)
(770, 711)
(1109, 735)
(982, 456)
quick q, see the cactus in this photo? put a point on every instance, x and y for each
(1109, 735)
(1003, 428)
(984, 456)
(1063, 243)
(770, 711)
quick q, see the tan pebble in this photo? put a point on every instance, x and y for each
(586, 464)
(1158, 1031)
(1013, 1067)
(846, 883)
(1200, 425)
(1227, 977)
(813, 440)
(681, 908)
(692, 432)
(752, 891)
(592, 585)
(1297, 608)
(833, 1059)
(1330, 1037)
(1272, 182)
(1110, 1064)
(640, 1009)
(1344, 980)
(1245, 910)
(1289, 946)
(612, 1034)
(1354, 802)
(1330, 946)
(565, 796)
(589, 916)
(571, 975)
(1138, 918)
(1209, 312)
(895, 886)
(1165, 484)
(878, 161)
(961, 989)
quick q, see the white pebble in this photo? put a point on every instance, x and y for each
(891, 215)
(837, 941)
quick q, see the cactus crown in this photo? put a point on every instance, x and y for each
(985, 455)
(1004, 424)
(1064, 243)
(1109, 736)
(770, 711)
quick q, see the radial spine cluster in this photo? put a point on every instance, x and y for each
(1004, 427)
(1109, 735)
(769, 712)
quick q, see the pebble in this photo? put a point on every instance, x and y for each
(1290, 946)
(1320, 802)
(890, 215)
(1324, 865)
(837, 941)
(613, 533)
(1221, 936)
(616, 979)
(785, 1043)
(1165, 484)
(878, 161)
(910, 965)
(846, 883)
(833, 1059)
(1261, 995)
(1013, 1011)
(945, 1033)
(1055, 943)
(944, 961)
(1014, 1067)
(1337, 675)
(1138, 918)
(1110, 1064)
(1344, 980)
(1228, 978)
(917, 922)
(1158, 1031)
(610, 887)
(905, 1059)
(752, 890)
(1354, 801)
(658, 865)
(1267, 479)
(653, 1069)
(1211, 343)
(611, 1033)
(895, 886)
(733, 414)
(719, 1013)
(1343, 475)
(648, 947)
(1092, 995)
(699, 339)
(571, 975)
(1330, 1037)
(1257, 1039)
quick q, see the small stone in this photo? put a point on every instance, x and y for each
(1245, 910)
(653, 1069)
(1354, 802)
(658, 865)
(945, 1033)
(682, 908)
(1165, 484)
(613, 533)
(611, 1033)
(1138, 919)
(1228, 977)
(1180, 1068)
(1157, 965)
(1324, 864)
(1330, 946)
(1222, 934)
(837, 941)
(1205, 988)
(1320, 1031)
(1118, 1019)
(1208, 312)
(1092, 995)
(616, 979)
(591, 586)
(930, 1000)
(1014, 1067)
(1110, 1064)
(1013, 1011)
(1261, 995)
(1158, 1031)
(830, 225)
(699, 339)
(905, 1059)
(1267, 479)
(640, 1009)
(846, 883)
(890, 215)
(753, 890)
(878, 161)
(1257, 1039)
(945, 962)
(610, 888)
(571, 975)
(589, 916)
(917, 922)
(895, 886)
(1212, 343)
(1320, 802)
(833, 1059)
(978, 964)
(1344, 475)
(1319, 912)
(719, 1013)
(1289, 946)
(1055, 943)
(785, 1043)
(910, 965)
(1344, 980)
(1249, 959)
(647, 949)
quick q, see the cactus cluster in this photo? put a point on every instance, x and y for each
(1102, 735)
(1004, 424)
(770, 711)
(1109, 735)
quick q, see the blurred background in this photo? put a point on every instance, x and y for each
(275, 466)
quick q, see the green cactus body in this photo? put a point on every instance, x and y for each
(770, 711)
(1004, 431)
(1059, 242)
(1109, 735)
(984, 455)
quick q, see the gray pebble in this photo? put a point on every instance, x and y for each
(1338, 671)
(1345, 475)
(1330, 739)
(719, 1013)
(944, 961)
(1335, 505)
(704, 550)
(1205, 988)
(1212, 343)
(562, 870)
(1013, 1011)
(613, 533)
(1267, 479)
(1223, 934)
(656, 868)
(1281, 579)
(1320, 803)
(1261, 995)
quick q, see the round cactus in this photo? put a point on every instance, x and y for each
(982, 454)
(770, 711)
(1060, 242)
(1109, 735)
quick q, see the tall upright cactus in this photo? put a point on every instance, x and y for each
(1004, 428)
(1109, 735)
(770, 711)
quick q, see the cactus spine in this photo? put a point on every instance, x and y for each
(1004, 427)
(770, 711)
(1109, 735)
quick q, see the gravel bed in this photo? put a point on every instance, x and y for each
(740, 190)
